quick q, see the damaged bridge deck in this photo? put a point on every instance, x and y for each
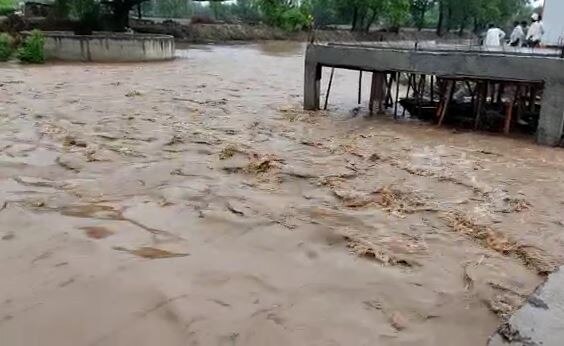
(540, 66)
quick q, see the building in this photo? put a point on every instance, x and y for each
(553, 20)
(37, 9)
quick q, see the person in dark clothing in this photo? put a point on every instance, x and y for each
(517, 37)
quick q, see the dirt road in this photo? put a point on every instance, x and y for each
(193, 203)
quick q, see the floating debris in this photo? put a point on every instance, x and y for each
(8, 236)
(518, 205)
(234, 209)
(486, 235)
(398, 321)
(71, 162)
(228, 152)
(399, 202)
(375, 157)
(505, 304)
(176, 139)
(97, 232)
(362, 246)
(261, 164)
(70, 141)
(489, 238)
(151, 252)
(133, 93)
(34, 181)
(95, 211)
(353, 199)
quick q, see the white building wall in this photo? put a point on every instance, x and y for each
(553, 21)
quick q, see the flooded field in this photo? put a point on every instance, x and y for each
(193, 202)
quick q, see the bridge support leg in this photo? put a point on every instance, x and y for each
(377, 92)
(551, 120)
(312, 81)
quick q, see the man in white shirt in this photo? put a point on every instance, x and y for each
(517, 37)
(536, 30)
(494, 36)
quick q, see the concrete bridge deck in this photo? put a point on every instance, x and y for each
(513, 65)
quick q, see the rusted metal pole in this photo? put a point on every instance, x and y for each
(329, 88)
(360, 87)
(509, 114)
(398, 77)
(420, 93)
(407, 93)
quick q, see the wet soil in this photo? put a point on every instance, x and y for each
(193, 202)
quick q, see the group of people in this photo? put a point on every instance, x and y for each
(496, 37)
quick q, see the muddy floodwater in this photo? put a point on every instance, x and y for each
(193, 202)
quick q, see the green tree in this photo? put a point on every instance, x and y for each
(418, 10)
(171, 8)
(396, 13)
(478, 13)
(218, 10)
(246, 11)
(324, 13)
(7, 6)
(87, 12)
(289, 15)
(364, 13)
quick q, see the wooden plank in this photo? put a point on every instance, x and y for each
(482, 95)
(449, 93)
(509, 113)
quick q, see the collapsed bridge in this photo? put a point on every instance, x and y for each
(533, 77)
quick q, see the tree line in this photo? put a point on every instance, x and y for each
(359, 15)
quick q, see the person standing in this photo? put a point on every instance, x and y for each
(535, 32)
(494, 36)
(525, 26)
(517, 37)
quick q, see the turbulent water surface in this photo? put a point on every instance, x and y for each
(193, 202)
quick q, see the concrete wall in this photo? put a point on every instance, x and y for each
(108, 47)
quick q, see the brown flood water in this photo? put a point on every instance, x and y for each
(193, 203)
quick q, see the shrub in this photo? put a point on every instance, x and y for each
(7, 7)
(61, 9)
(6, 47)
(6, 11)
(295, 19)
(32, 49)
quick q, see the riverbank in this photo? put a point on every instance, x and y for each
(204, 33)
(185, 31)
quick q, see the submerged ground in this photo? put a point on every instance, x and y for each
(193, 203)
